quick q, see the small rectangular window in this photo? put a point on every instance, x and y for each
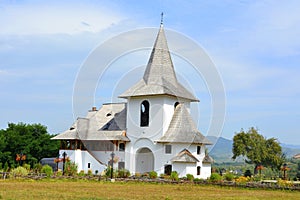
(89, 165)
(198, 170)
(168, 149)
(121, 147)
(198, 150)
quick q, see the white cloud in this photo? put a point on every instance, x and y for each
(56, 18)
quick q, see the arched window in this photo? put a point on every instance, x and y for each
(168, 169)
(144, 113)
(176, 104)
(198, 170)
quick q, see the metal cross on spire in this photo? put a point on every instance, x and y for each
(162, 18)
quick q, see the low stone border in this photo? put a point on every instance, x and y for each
(265, 184)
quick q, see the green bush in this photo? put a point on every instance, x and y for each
(90, 172)
(71, 168)
(59, 173)
(47, 170)
(228, 177)
(247, 173)
(5, 168)
(153, 174)
(145, 175)
(19, 172)
(123, 173)
(108, 172)
(215, 177)
(199, 180)
(174, 176)
(26, 166)
(37, 167)
(81, 173)
(190, 177)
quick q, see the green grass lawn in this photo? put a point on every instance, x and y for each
(81, 189)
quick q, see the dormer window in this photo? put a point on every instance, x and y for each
(145, 113)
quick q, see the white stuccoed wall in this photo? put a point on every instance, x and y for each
(161, 112)
(82, 158)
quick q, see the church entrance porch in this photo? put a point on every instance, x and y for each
(144, 160)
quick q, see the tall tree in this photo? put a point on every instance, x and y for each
(33, 140)
(257, 149)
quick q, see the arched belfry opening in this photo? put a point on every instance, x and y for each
(145, 113)
(144, 160)
(176, 104)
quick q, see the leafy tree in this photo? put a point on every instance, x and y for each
(33, 140)
(257, 149)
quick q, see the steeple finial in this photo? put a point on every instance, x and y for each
(162, 18)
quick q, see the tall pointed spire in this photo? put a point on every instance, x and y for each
(160, 66)
(159, 77)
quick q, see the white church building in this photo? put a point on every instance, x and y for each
(152, 131)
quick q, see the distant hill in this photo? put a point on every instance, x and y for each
(221, 150)
(291, 146)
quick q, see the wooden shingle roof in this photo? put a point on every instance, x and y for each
(159, 77)
(185, 156)
(207, 159)
(108, 123)
(182, 129)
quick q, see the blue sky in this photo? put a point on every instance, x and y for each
(255, 45)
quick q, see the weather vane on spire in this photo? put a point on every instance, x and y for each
(162, 18)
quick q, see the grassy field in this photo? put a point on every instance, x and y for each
(66, 189)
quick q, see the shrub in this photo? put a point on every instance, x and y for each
(298, 175)
(153, 174)
(19, 172)
(59, 173)
(90, 172)
(284, 183)
(174, 176)
(247, 173)
(37, 167)
(123, 173)
(242, 179)
(137, 175)
(81, 173)
(257, 178)
(108, 172)
(190, 177)
(71, 168)
(47, 170)
(199, 180)
(145, 175)
(5, 168)
(26, 166)
(228, 176)
(215, 177)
